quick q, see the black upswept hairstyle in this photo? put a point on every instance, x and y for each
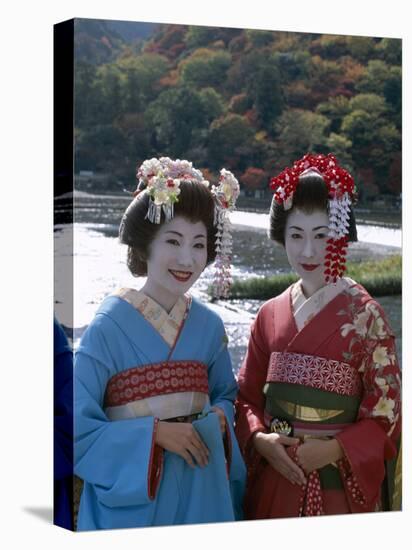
(195, 204)
(311, 194)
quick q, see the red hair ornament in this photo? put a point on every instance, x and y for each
(341, 192)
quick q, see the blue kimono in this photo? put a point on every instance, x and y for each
(123, 370)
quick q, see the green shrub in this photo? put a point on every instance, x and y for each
(379, 277)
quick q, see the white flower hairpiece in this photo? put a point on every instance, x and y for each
(225, 195)
(162, 178)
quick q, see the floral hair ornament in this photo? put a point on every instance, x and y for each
(341, 193)
(225, 193)
(162, 178)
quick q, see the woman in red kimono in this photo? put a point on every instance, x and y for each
(318, 412)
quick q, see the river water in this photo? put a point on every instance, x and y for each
(98, 263)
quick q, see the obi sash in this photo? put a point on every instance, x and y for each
(318, 396)
(165, 390)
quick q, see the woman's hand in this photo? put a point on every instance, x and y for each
(272, 447)
(182, 439)
(316, 453)
(222, 418)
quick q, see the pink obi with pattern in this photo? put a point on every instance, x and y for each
(314, 372)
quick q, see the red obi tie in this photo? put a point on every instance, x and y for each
(310, 502)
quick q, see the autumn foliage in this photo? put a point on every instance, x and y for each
(250, 100)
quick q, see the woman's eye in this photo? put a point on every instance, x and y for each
(174, 242)
(296, 236)
(320, 236)
(199, 245)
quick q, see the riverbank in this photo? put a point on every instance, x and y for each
(379, 277)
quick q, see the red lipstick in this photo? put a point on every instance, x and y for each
(181, 276)
(310, 267)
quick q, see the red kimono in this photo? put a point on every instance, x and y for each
(337, 376)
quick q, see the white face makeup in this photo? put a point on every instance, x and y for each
(177, 257)
(305, 244)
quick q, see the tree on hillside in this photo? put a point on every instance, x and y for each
(298, 94)
(198, 37)
(259, 77)
(353, 71)
(374, 78)
(293, 65)
(136, 138)
(386, 81)
(329, 46)
(361, 48)
(230, 142)
(392, 91)
(335, 109)
(169, 41)
(240, 103)
(212, 102)
(110, 82)
(102, 149)
(375, 139)
(341, 146)
(205, 68)
(254, 178)
(258, 38)
(266, 89)
(390, 50)
(395, 173)
(142, 74)
(300, 131)
(86, 94)
(173, 117)
(325, 77)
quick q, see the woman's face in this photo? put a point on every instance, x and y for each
(177, 257)
(305, 244)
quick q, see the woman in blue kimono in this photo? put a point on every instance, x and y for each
(154, 387)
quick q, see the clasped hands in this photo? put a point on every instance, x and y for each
(311, 455)
(182, 439)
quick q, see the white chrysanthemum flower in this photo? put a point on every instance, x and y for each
(360, 323)
(384, 407)
(150, 167)
(377, 328)
(380, 356)
(160, 197)
(346, 329)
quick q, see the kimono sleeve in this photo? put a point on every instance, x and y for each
(119, 458)
(371, 441)
(252, 377)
